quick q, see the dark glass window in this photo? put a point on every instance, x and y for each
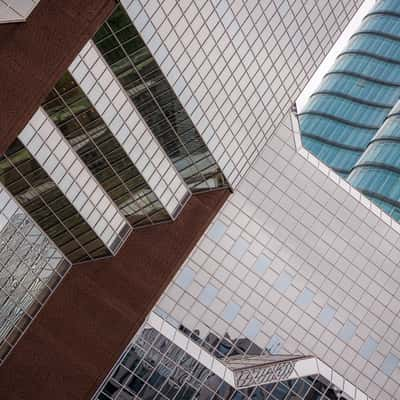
(82, 126)
(21, 174)
(139, 74)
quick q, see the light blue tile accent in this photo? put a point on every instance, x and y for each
(283, 282)
(230, 312)
(348, 331)
(274, 345)
(390, 363)
(262, 264)
(252, 328)
(326, 315)
(239, 248)
(305, 298)
(217, 231)
(185, 277)
(222, 7)
(208, 294)
(368, 348)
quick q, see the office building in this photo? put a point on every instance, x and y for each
(165, 234)
(345, 123)
(376, 173)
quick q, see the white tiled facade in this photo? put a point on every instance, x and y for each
(98, 82)
(237, 66)
(303, 367)
(298, 265)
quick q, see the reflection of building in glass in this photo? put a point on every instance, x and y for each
(377, 172)
(30, 268)
(154, 367)
(225, 346)
(342, 122)
(46, 202)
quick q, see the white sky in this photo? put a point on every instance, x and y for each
(313, 84)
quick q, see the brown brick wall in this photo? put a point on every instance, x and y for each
(34, 54)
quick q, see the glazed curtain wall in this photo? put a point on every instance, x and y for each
(137, 71)
(377, 173)
(79, 122)
(355, 97)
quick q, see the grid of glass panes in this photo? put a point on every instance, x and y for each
(26, 180)
(96, 79)
(356, 95)
(77, 119)
(30, 268)
(155, 368)
(139, 74)
(54, 154)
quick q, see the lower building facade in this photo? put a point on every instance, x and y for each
(295, 271)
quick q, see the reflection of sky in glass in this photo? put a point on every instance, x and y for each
(262, 264)
(185, 277)
(368, 348)
(28, 263)
(326, 315)
(347, 332)
(217, 231)
(305, 298)
(283, 282)
(230, 312)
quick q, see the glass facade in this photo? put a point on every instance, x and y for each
(139, 74)
(377, 173)
(30, 268)
(85, 130)
(153, 367)
(355, 97)
(27, 181)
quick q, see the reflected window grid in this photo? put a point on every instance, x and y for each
(139, 74)
(81, 190)
(30, 269)
(82, 126)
